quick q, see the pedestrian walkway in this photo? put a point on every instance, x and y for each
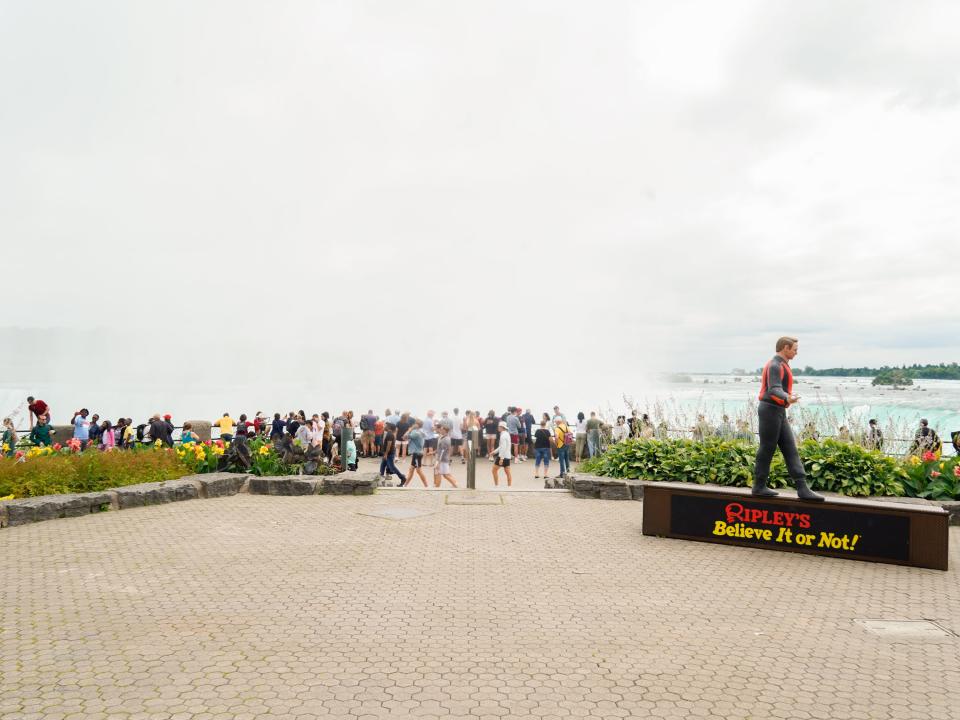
(410, 605)
(522, 474)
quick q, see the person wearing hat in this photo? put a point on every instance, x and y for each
(503, 455)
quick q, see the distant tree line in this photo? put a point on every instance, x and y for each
(943, 371)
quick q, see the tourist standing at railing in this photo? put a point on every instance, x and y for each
(81, 427)
(456, 434)
(580, 437)
(277, 426)
(108, 439)
(874, 439)
(593, 435)
(160, 430)
(528, 421)
(187, 435)
(926, 440)
(563, 438)
(10, 438)
(490, 425)
(621, 431)
(404, 425)
(40, 434)
(225, 424)
(94, 430)
(36, 408)
(513, 427)
(541, 449)
(368, 434)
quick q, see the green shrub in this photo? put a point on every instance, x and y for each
(87, 472)
(831, 465)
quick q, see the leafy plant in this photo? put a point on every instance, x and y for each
(830, 465)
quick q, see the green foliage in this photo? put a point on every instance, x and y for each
(88, 471)
(892, 377)
(932, 477)
(831, 465)
(943, 371)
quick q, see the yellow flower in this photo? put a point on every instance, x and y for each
(264, 450)
(158, 443)
(914, 460)
(6, 449)
(217, 450)
(6, 497)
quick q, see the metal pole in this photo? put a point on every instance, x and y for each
(472, 440)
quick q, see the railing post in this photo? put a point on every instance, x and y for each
(472, 440)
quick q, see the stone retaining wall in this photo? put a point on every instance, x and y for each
(193, 487)
(604, 488)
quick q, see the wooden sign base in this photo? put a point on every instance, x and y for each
(887, 532)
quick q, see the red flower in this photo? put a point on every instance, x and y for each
(929, 456)
(956, 471)
(934, 473)
(57, 447)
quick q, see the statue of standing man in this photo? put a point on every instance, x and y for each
(776, 395)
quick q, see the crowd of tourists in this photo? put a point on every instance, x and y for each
(435, 441)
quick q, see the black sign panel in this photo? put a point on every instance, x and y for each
(800, 526)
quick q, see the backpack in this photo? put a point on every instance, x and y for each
(363, 423)
(140, 429)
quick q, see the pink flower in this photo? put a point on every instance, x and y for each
(57, 447)
(929, 456)
(956, 471)
(934, 473)
(19, 454)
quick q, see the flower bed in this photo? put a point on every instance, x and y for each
(65, 469)
(831, 465)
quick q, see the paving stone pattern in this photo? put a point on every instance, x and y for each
(544, 606)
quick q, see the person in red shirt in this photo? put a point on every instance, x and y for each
(37, 408)
(776, 395)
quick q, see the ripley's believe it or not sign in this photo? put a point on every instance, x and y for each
(898, 533)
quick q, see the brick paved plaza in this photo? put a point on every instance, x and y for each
(537, 605)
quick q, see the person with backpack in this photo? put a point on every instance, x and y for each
(926, 440)
(564, 441)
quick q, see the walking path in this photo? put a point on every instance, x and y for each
(522, 474)
(533, 604)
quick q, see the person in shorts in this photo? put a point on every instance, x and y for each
(542, 443)
(442, 469)
(513, 427)
(503, 456)
(430, 432)
(490, 433)
(415, 439)
(456, 434)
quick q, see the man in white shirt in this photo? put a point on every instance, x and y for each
(456, 434)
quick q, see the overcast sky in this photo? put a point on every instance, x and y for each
(509, 196)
